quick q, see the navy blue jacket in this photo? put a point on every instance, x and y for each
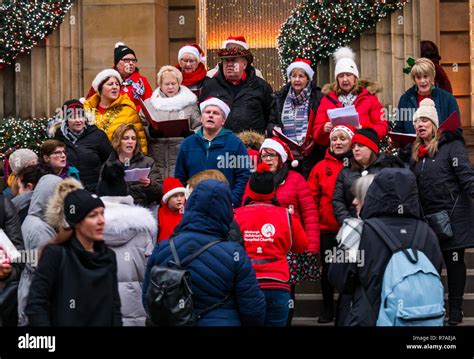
(445, 105)
(223, 269)
(226, 153)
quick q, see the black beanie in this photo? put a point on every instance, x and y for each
(78, 204)
(120, 51)
(367, 137)
(112, 182)
(71, 107)
(261, 185)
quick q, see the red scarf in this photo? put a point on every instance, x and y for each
(422, 150)
(191, 78)
(167, 221)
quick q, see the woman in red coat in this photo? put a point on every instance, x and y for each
(322, 182)
(346, 91)
(293, 192)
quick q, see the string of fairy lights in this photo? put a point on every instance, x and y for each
(315, 29)
(24, 23)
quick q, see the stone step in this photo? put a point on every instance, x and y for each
(313, 322)
(315, 287)
(309, 305)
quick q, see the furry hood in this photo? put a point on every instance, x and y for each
(124, 221)
(251, 139)
(178, 102)
(371, 86)
(54, 215)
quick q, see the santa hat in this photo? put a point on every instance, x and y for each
(349, 132)
(105, 74)
(281, 148)
(193, 49)
(214, 101)
(120, 51)
(427, 109)
(261, 185)
(172, 186)
(344, 57)
(236, 40)
(367, 137)
(302, 64)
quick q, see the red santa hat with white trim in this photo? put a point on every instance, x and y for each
(281, 148)
(172, 186)
(236, 40)
(193, 49)
(302, 64)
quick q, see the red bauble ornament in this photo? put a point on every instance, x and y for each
(343, 29)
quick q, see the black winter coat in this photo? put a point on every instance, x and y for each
(391, 188)
(343, 197)
(74, 287)
(250, 108)
(441, 179)
(143, 196)
(88, 154)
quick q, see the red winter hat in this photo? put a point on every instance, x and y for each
(302, 64)
(236, 40)
(281, 148)
(171, 186)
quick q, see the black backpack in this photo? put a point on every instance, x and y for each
(169, 295)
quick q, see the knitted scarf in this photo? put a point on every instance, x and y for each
(295, 114)
(347, 99)
(69, 134)
(191, 78)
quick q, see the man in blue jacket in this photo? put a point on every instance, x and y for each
(214, 147)
(222, 275)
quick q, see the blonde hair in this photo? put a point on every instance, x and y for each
(431, 149)
(355, 90)
(301, 71)
(361, 186)
(207, 175)
(169, 69)
(118, 135)
(423, 67)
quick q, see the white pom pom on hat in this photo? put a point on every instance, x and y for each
(344, 57)
(120, 43)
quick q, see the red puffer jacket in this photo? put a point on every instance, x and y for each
(322, 182)
(295, 194)
(367, 106)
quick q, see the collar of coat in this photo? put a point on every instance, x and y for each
(93, 102)
(371, 86)
(178, 102)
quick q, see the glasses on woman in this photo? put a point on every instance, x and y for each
(130, 61)
(59, 153)
(268, 156)
(188, 61)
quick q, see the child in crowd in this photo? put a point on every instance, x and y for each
(171, 208)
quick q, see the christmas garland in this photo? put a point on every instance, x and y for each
(315, 29)
(24, 23)
(22, 133)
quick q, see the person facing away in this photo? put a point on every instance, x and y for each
(270, 232)
(76, 280)
(222, 276)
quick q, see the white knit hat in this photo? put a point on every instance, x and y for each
(344, 57)
(344, 129)
(214, 101)
(104, 74)
(21, 158)
(427, 109)
(192, 49)
(302, 64)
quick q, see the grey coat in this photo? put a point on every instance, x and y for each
(130, 231)
(36, 233)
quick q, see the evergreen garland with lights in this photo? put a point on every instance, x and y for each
(24, 23)
(315, 29)
(22, 133)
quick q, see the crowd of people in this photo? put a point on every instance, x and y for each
(268, 176)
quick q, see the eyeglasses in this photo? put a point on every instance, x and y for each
(130, 61)
(268, 156)
(188, 61)
(58, 153)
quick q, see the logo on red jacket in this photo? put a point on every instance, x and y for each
(268, 230)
